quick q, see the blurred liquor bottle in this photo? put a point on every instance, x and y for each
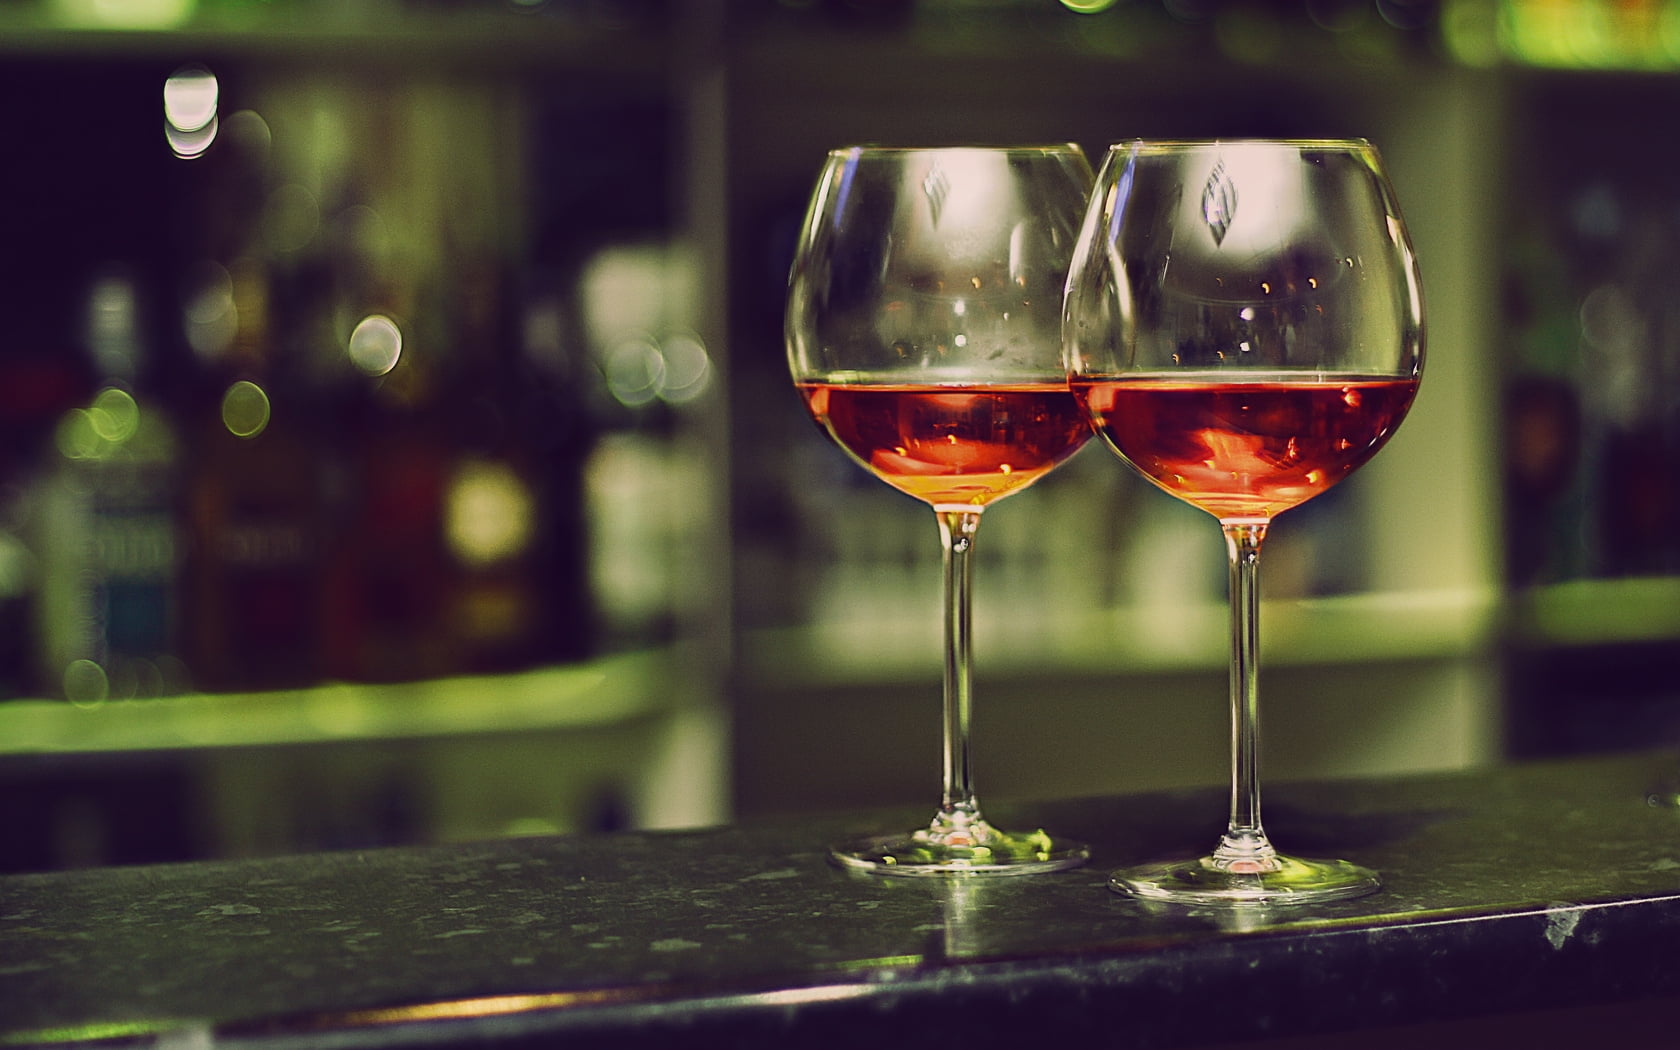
(105, 530)
(36, 388)
(384, 585)
(454, 555)
(1629, 322)
(516, 597)
(1546, 497)
(1592, 406)
(256, 520)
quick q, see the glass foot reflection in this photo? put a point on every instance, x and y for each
(1277, 880)
(965, 848)
(1665, 792)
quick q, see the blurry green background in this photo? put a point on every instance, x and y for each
(398, 446)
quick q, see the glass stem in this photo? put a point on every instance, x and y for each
(1244, 847)
(960, 807)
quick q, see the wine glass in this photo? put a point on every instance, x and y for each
(1244, 325)
(923, 332)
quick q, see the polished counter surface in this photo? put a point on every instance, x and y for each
(1511, 892)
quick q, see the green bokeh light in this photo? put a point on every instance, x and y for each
(245, 409)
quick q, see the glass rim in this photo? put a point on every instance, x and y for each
(882, 149)
(1180, 145)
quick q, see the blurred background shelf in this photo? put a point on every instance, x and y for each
(613, 44)
(600, 744)
(618, 689)
(1369, 627)
(395, 442)
(1598, 611)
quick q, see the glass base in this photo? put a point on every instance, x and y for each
(972, 849)
(1277, 880)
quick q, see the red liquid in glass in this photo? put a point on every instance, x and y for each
(952, 446)
(1251, 450)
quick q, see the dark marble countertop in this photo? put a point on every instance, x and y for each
(1523, 888)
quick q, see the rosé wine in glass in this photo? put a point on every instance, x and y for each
(952, 446)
